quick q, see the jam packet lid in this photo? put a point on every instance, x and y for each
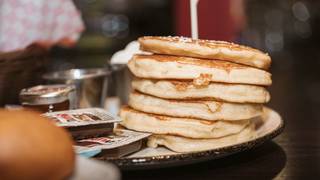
(119, 138)
(82, 117)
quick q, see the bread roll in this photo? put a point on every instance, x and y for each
(33, 148)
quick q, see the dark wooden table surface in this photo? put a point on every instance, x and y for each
(295, 154)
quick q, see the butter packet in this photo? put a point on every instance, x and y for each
(120, 143)
(85, 123)
(82, 117)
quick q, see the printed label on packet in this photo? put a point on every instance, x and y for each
(120, 137)
(82, 117)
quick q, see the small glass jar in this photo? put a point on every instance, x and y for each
(47, 98)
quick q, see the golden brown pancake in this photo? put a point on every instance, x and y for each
(208, 49)
(199, 109)
(185, 145)
(201, 71)
(174, 89)
(187, 127)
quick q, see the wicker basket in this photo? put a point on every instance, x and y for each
(20, 69)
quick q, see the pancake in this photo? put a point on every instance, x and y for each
(187, 127)
(199, 70)
(207, 110)
(185, 145)
(170, 89)
(208, 49)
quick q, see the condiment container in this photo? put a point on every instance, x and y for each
(47, 98)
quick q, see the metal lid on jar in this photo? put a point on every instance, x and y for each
(46, 94)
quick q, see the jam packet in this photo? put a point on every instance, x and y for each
(120, 143)
(85, 123)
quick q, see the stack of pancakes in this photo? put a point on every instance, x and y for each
(195, 95)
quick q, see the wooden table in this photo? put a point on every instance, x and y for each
(293, 155)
